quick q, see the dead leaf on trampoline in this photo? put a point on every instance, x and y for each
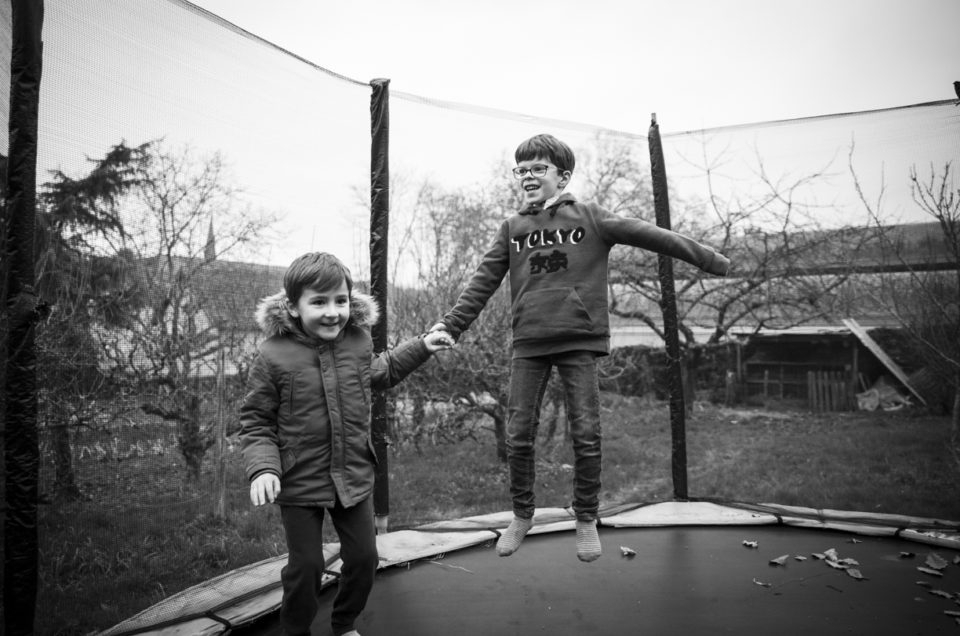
(941, 594)
(952, 613)
(819, 556)
(627, 552)
(836, 564)
(930, 571)
(832, 554)
(924, 583)
(855, 540)
(935, 561)
(750, 544)
(800, 557)
(780, 560)
(855, 573)
(761, 583)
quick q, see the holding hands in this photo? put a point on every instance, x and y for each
(437, 340)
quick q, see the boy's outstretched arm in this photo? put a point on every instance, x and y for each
(390, 367)
(617, 229)
(482, 285)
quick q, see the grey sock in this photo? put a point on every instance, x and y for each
(588, 541)
(510, 540)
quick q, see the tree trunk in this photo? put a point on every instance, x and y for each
(551, 425)
(65, 481)
(688, 371)
(418, 414)
(500, 432)
(955, 419)
(190, 437)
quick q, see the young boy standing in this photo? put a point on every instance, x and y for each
(556, 251)
(305, 429)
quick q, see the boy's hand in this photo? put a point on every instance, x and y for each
(437, 340)
(720, 265)
(442, 327)
(264, 489)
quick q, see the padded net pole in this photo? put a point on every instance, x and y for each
(668, 305)
(19, 302)
(379, 229)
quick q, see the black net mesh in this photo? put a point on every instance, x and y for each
(184, 162)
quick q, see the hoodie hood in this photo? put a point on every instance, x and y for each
(274, 318)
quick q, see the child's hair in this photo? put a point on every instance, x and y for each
(546, 147)
(315, 270)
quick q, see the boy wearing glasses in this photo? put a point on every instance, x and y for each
(556, 251)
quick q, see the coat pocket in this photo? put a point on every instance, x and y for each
(545, 314)
(288, 459)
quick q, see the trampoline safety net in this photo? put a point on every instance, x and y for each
(183, 163)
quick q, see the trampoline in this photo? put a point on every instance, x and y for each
(694, 567)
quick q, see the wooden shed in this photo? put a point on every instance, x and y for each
(822, 367)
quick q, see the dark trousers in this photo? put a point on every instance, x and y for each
(581, 392)
(301, 576)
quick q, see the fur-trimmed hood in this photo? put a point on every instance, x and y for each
(274, 318)
(305, 415)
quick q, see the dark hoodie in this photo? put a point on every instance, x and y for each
(306, 414)
(557, 259)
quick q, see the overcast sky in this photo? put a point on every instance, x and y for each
(297, 140)
(697, 63)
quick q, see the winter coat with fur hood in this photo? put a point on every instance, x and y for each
(306, 414)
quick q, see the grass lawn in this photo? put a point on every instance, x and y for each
(100, 565)
(896, 462)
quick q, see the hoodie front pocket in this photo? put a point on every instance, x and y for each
(551, 313)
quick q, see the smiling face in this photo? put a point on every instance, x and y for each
(540, 189)
(323, 313)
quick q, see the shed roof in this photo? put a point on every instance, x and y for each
(875, 348)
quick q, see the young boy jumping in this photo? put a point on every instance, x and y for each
(556, 251)
(305, 429)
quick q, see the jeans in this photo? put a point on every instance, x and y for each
(581, 391)
(301, 576)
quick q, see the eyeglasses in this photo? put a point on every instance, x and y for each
(537, 170)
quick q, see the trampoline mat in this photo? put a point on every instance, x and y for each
(682, 580)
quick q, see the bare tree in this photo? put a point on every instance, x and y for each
(924, 294)
(444, 237)
(785, 264)
(173, 342)
(787, 268)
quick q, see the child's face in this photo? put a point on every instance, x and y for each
(539, 189)
(323, 313)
